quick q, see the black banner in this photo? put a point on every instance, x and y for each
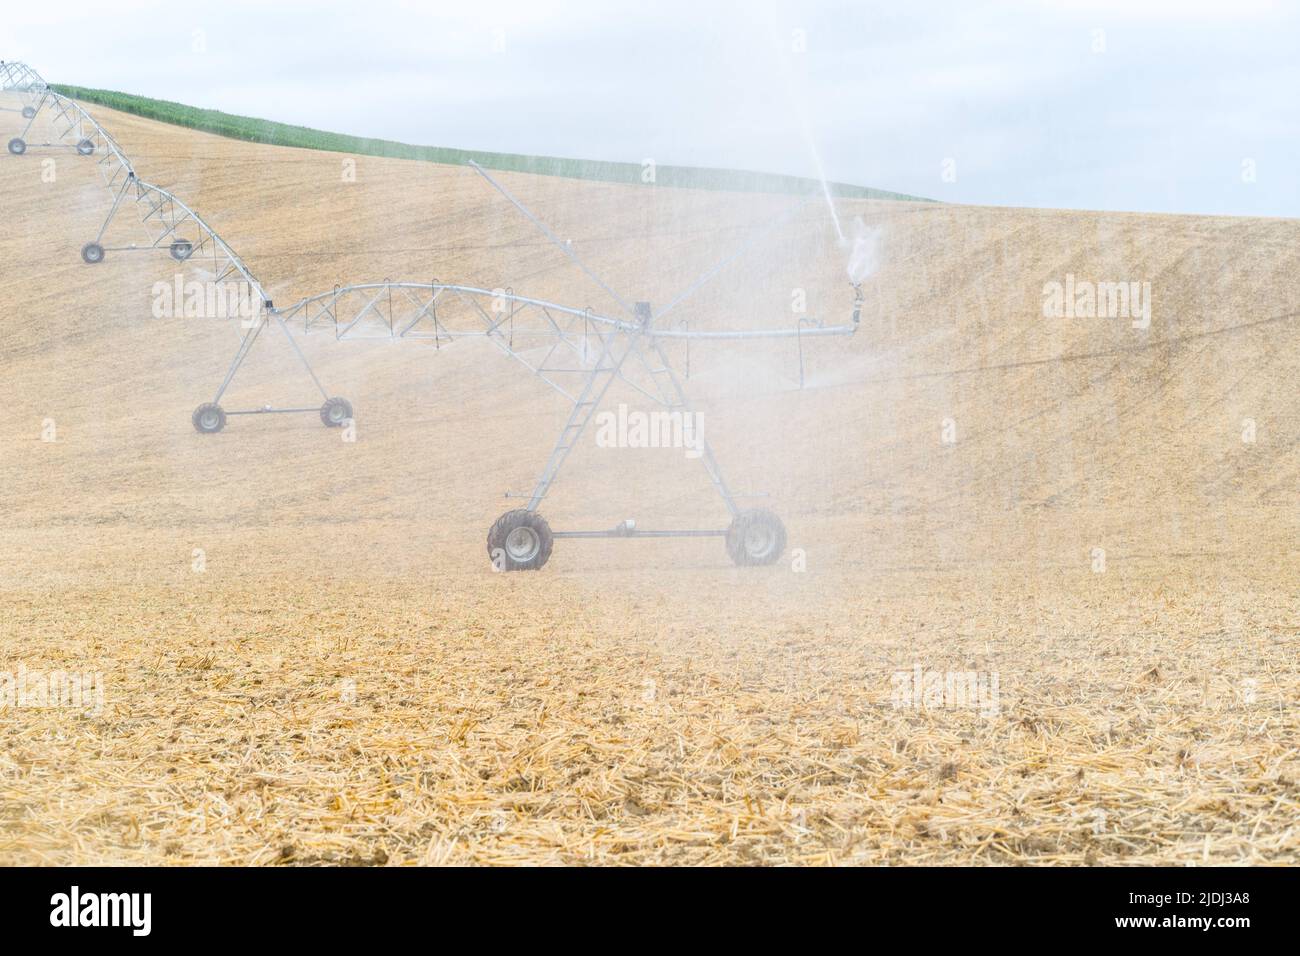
(339, 905)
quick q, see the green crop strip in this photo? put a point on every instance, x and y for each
(254, 130)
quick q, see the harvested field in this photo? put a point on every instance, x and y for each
(347, 680)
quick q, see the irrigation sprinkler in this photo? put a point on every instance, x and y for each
(521, 539)
(628, 348)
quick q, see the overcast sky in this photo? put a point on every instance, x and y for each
(1162, 105)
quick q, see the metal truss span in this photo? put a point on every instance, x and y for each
(550, 339)
(68, 126)
(20, 78)
(399, 307)
(579, 353)
(173, 227)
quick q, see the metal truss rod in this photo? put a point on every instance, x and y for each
(245, 346)
(592, 393)
(559, 243)
(706, 450)
(744, 247)
(297, 351)
(622, 531)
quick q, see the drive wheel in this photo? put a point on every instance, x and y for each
(181, 249)
(520, 540)
(755, 537)
(209, 418)
(92, 252)
(335, 412)
(85, 147)
(17, 146)
(29, 112)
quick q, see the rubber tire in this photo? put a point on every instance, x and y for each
(91, 253)
(17, 146)
(181, 249)
(85, 147)
(335, 421)
(201, 412)
(508, 522)
(742, 524)
(29, 112)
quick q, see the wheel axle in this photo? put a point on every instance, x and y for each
(211, 417)
(522, 540)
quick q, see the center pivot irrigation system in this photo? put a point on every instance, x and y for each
(583, 352)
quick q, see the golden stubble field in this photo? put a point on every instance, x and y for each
(347, 680)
